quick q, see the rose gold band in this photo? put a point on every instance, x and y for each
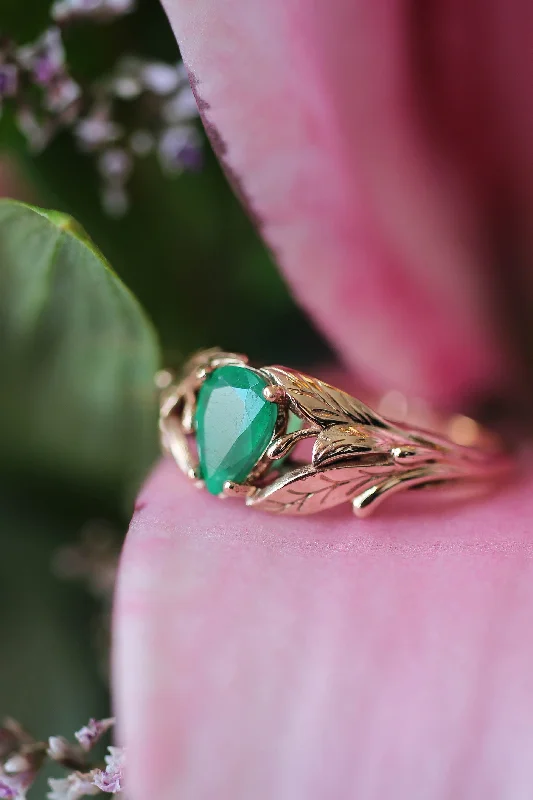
(359, 456)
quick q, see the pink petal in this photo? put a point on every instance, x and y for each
(318, 111)
(318, 658)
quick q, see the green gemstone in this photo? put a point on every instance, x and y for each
(234, 425)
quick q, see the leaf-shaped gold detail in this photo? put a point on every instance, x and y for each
(307, 490)
(320, 403)
(372, 495)
(342, 442)
(174, 441)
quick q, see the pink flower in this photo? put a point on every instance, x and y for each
(93, 731)
(385, 150)
(9, 792)
(45, 57)
(74, 786)
(21, 757)
(14, 785)
(112, 778)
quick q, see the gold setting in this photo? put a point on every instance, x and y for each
(358, 455)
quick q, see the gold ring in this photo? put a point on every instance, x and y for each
(238, 431)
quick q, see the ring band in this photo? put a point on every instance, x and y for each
(236, 431)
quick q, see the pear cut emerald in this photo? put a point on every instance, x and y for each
(234, 425)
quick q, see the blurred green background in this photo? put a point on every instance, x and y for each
(195, 263)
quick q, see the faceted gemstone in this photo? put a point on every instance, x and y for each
(234, 425)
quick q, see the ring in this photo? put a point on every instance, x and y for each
(237, 431)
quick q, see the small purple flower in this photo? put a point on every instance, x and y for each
(19, 770)
(74, 786)
(115, 164)
(45, 58)
(18, 764)
(125, 80)
(37, 133)
(179, 149)
(65, 10)
(120, 6)
(181, 107)
(97, 129)
(93, 731)
(64, 753)
(43, 70)
(8, 792)
(191, 157)
(8, 80)
(14, 786)
(58, 748)
(62, 94)
(112, 778)
(160, 78)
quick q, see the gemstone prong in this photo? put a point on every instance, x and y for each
(232, 489)
(194, 475)
(202, 372)
(274, 394)
(187, 419)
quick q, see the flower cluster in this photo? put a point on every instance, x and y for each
(164, 91)
(35, 79)
(21, 758)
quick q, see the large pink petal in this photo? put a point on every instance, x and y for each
(320, 112)
(325, 657)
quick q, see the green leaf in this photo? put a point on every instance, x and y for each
(77, 358)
